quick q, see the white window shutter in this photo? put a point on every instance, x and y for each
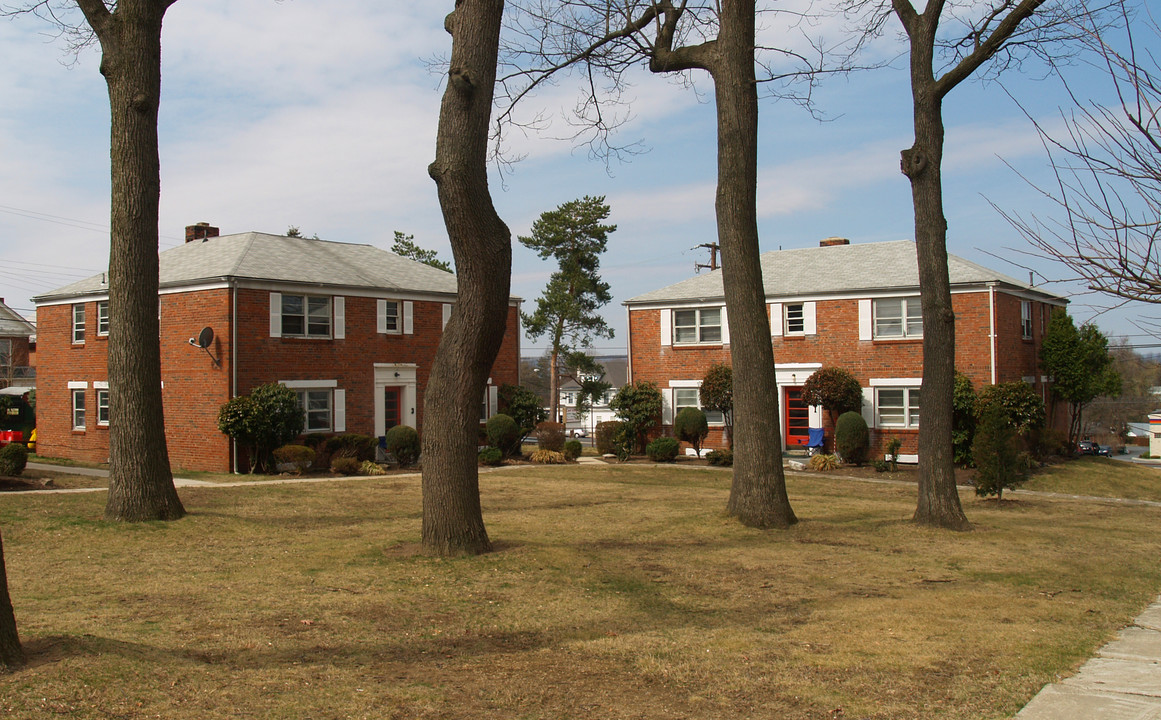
(869, 406)
(666, 327)
(340, 306)
(775, 319)
(809, 322)
(380, 316)
(493, 400)
(275, 314)
(667, 406)
(725, 327)
(408, 320)
(340, 410)
(865, 332)
(447, 309)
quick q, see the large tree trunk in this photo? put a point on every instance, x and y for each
(758, 492)
(452, 519)
(140, 479)
(11, 654)
(938, 502)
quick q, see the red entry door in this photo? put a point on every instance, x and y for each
(391, 408)
(796, 419)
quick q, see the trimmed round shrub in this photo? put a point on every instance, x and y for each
(345, 465)
(663, 449)
(294, 458)
(550, 436)
(490, 456)
(503, 433)
(852, 438)
(690, 425)
(573, 449)
(724, 458)
(605, 437)
(403, 443)
(13, 459)
(548, 457)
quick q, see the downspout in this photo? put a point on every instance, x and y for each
(234, 365)
(992, 328)
(628, 344)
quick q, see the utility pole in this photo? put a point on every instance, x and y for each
(713, 263)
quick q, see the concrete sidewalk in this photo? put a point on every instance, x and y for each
(1123, 681)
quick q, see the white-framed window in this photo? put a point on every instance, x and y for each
(898, 318)
(79, 324)
(306, 316)
(698, 325)
(78, 408)
(102, 406)
(897, 407)
(684, 397)
(1026, 319)
(795, 322)
(317, 409)
(397, 317)
(392, 322)
(103, 317)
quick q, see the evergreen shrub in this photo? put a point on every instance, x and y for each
(690, 426)
(550, 436)
(13, 459)
(573, 449)
(663, 449)
(852, 438)
(403, 442)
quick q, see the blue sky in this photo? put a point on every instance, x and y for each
(323, 116)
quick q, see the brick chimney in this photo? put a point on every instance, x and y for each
(832, 241)
(201, 231)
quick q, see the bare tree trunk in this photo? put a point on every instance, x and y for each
(938, 502)
(11, 654)
(140, 479)
(452, 518)
(554, 387)
(758, 493)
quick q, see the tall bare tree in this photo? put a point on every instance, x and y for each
(718, 38)
(129, 32)
(1106, 228)
(482, 246)
(949, 42)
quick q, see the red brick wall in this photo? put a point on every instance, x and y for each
(837, 343)
(194, 388)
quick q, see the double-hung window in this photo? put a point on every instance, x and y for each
(1026, 319)
(701, 325)
(79, 324)
(898, 318)
(316, 408)
(691, 397)
(102, 406)
(103, 317)
(306, 316)
(391, 320)
(78, 409)
(897, 407)
(795, 319)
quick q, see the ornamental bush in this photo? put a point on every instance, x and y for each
(663, 449)
(836, 389)
(824, 462)
(605, 437)
(360, 447)
(690, 425)
(638, 406)
(550, 436)
(504, 434)
(13, 459)
(523, 406)
(300, 458)
(573, 449)
(852, 439)
(345, 465)
(490, 456)
(268, 417)
(548, 457)
(725, 458)
(403, 442)
(997, 454)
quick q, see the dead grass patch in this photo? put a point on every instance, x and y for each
(616, 592)
(1100, 477)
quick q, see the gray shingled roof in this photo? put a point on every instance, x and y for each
(835, 269)
(12, 325)
(275, 258)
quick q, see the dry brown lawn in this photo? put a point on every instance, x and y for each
(614, 592)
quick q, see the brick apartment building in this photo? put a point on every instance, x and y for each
(351, 328)
(16, 345)
(851, 306)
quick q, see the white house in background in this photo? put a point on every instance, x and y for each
(616, 371)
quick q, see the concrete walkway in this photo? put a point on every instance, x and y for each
(1123, 681)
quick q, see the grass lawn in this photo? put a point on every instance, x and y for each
(614, 592)
(1100, 477)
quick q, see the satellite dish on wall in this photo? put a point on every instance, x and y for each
(205, 337)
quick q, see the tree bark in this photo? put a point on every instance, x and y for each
(11, 653)
(453, 522)
(938, 502)
(758, 493)
(140, 480)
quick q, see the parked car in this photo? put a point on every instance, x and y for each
(577, 432)
(1086, 447)
(1105, 450)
